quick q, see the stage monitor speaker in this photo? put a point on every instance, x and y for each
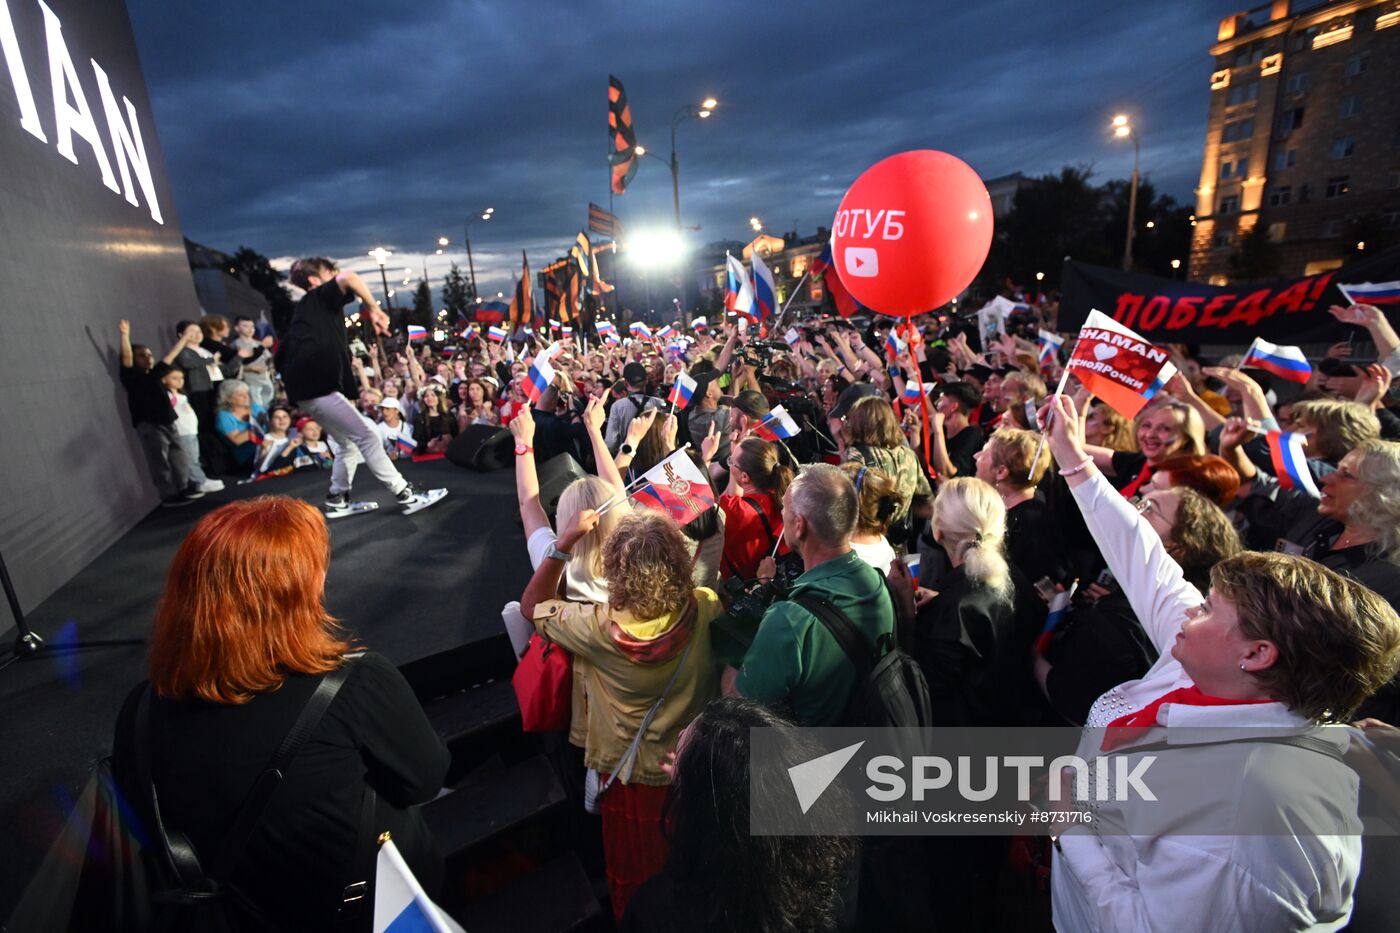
(482, 447)
(556, 474)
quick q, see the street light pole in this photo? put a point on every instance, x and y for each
(1122, 128)
(381, 255)
(701, 112)
(467, 238)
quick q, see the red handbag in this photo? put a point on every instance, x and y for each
(544, 684)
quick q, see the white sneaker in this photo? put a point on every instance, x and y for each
(211, 485)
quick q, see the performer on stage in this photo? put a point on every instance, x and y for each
(314, 360)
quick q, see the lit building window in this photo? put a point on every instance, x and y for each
(1338, 186)
(799, 266)
(1276, 232)
(1387, 18)
(1220, 79)
(1331, 35)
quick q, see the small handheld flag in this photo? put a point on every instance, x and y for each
(1290, 463)
(682, 391)
(417, 334)
(1372, 293)
(639, 329)
(676, 485)
(1059, 607)
(913, 393)
(400, 903)
(1285, 362)
(738, 293)
(497, 334)
(893, 346)
(792, 338)
(778, 425)
(699, 323)
(538, 378)
(1117, 365)
(664, 331)
(1050, 344)
(765, 293)
(406, 445)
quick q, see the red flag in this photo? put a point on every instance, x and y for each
(1117, 365)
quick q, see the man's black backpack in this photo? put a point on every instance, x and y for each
(890, 685)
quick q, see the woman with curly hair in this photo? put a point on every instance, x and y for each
(650, 672)
(879, 500)
(719, 877)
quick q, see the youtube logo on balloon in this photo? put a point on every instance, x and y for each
(912, 232)
(862, 261)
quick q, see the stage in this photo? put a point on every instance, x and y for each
(408, 587)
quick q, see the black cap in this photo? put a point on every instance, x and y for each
(635, 375)
(850, 395)
(752, 403)
(703, 380)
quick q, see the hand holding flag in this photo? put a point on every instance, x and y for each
(681, 392)
(1285, 362)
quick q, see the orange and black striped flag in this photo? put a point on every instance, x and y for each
(552, 280)
(573, 293)
(582, 253)
(622, 141)
(604, 223)
(522, 309)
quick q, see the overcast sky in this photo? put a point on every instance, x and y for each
(328, 128)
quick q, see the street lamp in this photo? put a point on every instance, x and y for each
(756, 224)
(686, 112)
(1176, 264)
(381, 255)
(1122, 128)
(467, 235)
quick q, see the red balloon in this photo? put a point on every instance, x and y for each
(912, 232)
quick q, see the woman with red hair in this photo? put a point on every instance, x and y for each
(241, 642)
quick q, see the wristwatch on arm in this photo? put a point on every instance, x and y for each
(556, 554)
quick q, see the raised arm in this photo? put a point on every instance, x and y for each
(1252, 402)
(527, 481)
(1371, 318)
(593, 417)
(727, 353)
(127, 357)
(1151, 579)
(351, 283)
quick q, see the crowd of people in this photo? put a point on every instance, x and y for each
(1204, 589)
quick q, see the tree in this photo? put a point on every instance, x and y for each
(1255, 258)
(259, 273)
(454, 295)
(423, 304)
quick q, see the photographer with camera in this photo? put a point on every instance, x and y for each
(794, 661)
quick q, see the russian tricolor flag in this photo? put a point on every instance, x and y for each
(417, 334)
(406, 445)
(469, 333)
(1285, 362)
(1290, 463)
(665, 331)
(1059, 607)
(699, 323)
(765, 293)
(1372, 293)
(1050, 344)
(538, 378)
(777, 425)
(913, 393)
(738, 293)
(497, 334)
(639, 329)
(400, 903)
(893, 346)
(682, 391)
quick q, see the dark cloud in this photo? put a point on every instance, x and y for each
(330, 127)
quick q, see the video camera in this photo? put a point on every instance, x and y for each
(748, 600)
(759, 353)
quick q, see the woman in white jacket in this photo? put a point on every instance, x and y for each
(1280, 645)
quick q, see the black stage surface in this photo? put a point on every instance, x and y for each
(406, 586)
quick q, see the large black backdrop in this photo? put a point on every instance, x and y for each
(75, 256)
